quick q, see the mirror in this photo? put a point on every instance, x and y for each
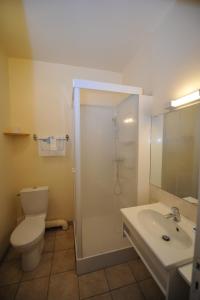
(175, 148)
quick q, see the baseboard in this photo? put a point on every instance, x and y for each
(94, 263)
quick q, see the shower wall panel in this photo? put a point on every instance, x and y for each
(108, 162)
(127, 116)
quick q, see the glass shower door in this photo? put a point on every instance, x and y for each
(108, 168)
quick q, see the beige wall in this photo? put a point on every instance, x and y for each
(41, 99)
(7, 201)
(168, 63)
(167, 66)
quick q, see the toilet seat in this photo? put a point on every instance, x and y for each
(28, 232)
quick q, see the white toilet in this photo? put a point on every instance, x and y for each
(28, 236)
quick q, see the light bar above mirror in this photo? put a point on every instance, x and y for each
(185, 100)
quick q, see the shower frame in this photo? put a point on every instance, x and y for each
(84, 264)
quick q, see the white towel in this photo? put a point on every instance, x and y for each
(51, 146)
(53, 143)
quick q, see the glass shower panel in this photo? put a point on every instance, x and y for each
(127, 112)
(108, 143)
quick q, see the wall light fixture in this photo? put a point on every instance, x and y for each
(187, 99)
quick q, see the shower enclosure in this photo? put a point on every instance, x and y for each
(106, 165)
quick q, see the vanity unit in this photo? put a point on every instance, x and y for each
(163, 245)
(186, 273)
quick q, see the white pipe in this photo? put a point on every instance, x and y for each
(57, 223)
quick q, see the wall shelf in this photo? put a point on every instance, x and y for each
(10, 133)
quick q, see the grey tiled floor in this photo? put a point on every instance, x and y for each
(55, 278)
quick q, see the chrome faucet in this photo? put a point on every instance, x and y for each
(175, 214)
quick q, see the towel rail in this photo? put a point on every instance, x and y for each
(36, 138)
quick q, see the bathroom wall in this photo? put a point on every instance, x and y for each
(41, 103)
(7, 203)
(168, 63)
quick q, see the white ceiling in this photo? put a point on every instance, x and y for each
(101, 34)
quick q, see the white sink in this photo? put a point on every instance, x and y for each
(166, 230)
(162, 244)
(148, 223)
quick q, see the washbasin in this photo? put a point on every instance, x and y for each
(164, 230)
(169, 242)
(145, 226)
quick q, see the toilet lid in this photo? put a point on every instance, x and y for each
(29, 230)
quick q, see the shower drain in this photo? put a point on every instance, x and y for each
(166, 238)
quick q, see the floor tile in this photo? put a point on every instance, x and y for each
(42, 270)
(92, 284)
(10, 272)
(12, 254)
(150, 290)
(64, 242)
(8, 292)
(49, 243)
(130, 292)
(69, 232)
(50, 232)
(63, 261)
(63, 286)
(139, 270)
(119, 276)
(33, 290)
(101, 297)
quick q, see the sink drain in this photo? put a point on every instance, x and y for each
(166, 238)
